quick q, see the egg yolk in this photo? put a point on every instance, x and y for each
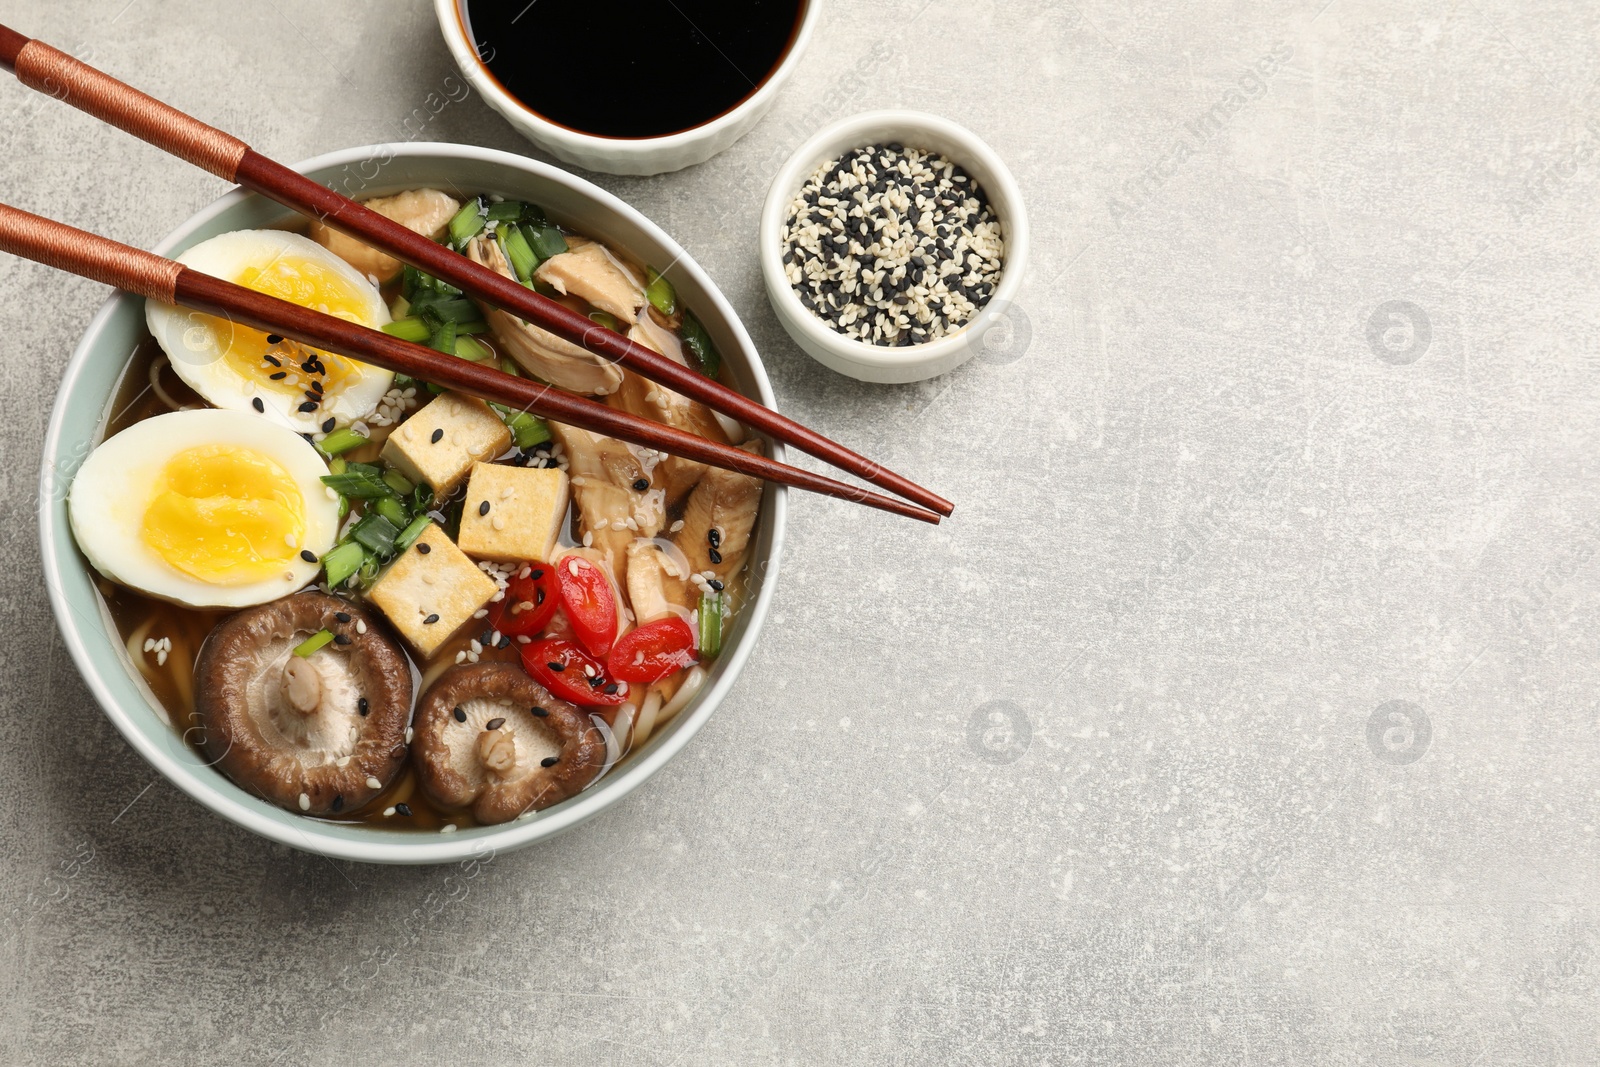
(299, 281)
(225, 515)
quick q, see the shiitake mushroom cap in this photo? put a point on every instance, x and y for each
(250, 689)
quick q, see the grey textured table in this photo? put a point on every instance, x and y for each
(1244, 714)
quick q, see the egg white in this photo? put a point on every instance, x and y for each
(116, 484)
(195, 349)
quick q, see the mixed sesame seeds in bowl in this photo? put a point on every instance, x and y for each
(890, 242)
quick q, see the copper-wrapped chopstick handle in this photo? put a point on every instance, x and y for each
(55, 73)
(65, 248)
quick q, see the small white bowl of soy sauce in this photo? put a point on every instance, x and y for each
(628, 86)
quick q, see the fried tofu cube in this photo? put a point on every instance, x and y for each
(444, 438)
(431, 590)
(513, 513)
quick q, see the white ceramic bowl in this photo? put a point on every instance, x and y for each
(915, 129)
(622, 155)
(77, 424)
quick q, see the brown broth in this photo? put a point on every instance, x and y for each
(137, 617)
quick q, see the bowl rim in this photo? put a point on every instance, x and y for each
(307, 835)
(453, 24)
(974, 154)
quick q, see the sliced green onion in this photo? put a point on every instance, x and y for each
(393, 510)
(416, 283)
(341, 440)
(467, 223)
(337, 466)
(409, 535)
(421, 499)
(433, 388)
(710, 621)
(342, 562)
(699, 342)
(375, 532)
(505, 211)
(402, 381)
(455, 309)
(397, 482)
(608, 321)
(662, 296)
(400, 308)
(470, 348)
(533, 213)
(518, 252)
(510, 367)
(312, 643)
(475, 326)
(357, 484)
(370, 567)
(526, 429)
(443, 338)
(546, 241)
(408, 329)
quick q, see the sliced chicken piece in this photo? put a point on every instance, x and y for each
(658, 581)
(589, 271)
(718, 518)
(642, 397)
(540, 352)
(424, 211)
(611, 511)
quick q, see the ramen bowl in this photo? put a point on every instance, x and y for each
(83, 407)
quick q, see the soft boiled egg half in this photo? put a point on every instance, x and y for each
(244, 369)
(207, 508)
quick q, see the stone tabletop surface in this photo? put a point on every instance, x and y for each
(1245, 712)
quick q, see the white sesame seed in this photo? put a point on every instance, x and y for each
(305, 802)
(373, 783)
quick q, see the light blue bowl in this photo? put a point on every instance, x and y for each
(82, 407)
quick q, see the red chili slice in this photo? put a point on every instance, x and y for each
(590, 605)
(559, 666)
(653, 651)
(529, 602)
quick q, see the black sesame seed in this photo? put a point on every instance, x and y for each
(338, 802)
(272, 360)
(715, 584)
(328, 425)
(438, 435)
(550, 761)
(342, 616)
(714, 556)
(494, 724)
(504, 642)
(611, 688)
(280, 376)
(274, 339)
(538, 597)
(341, 639)
(538, 713)
(309, 406)
(460, 714)
(641, 484)
(256, 403)
(402, 809)
(424, 548)
(430, 620)
(483, 508)
(308, 555)
(316, 387)
(596, 682)
(714, 536)
(557, 667)
(536, 573)
(363, 707)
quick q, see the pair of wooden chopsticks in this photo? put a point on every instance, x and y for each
(39, 66)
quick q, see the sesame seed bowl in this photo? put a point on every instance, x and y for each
(889, 243)
(87, 402)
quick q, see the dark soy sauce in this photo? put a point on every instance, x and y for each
(631, 68)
